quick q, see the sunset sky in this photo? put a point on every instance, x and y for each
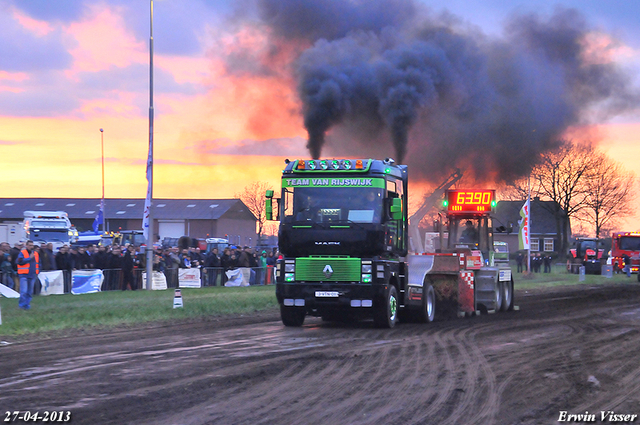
(227, 108)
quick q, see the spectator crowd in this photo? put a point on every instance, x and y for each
(122, 265)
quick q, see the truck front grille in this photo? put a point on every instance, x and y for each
(328, 269)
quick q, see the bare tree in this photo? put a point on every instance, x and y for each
(253, 196)
(560, 178)
(609, 193)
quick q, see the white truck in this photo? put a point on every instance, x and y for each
(49, 227)
(11, 232)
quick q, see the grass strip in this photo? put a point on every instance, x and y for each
(130, 308)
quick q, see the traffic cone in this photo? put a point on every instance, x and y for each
(177, 299)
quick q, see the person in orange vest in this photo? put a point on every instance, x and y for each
(28, 263)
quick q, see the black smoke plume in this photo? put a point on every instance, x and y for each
(444, 93)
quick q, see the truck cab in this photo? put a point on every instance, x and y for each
(49, 227)
(625, 243)
(342, 232)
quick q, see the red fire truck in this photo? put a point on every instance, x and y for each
(625, 243)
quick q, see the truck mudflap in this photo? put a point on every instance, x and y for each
(466, 292)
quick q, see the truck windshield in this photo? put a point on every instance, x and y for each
(134, 238)
(333, 204)
(49, 235)
(629, 243)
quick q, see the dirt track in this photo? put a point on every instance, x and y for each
(574, 349)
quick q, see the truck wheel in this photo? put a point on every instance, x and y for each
(499, 290)
(385, 314)
(507, 296)
(292, 316)
(428, 311)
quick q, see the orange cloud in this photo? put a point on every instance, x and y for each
(13, 76)
(39, 28)
(103, 41)
(599, 48)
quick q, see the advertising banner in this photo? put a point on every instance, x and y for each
(86, 281)
(52, 282)
(158, 283)
(8, 292)
(236, 278)
(189, 278)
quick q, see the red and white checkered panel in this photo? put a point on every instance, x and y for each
(468, 278)
(466, 288)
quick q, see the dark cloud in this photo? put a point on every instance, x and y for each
(441, 92)
(330, 20)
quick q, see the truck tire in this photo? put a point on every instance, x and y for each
(427, 313)
(385, 313)
(292, 316)
(507, 296)
(499, 291)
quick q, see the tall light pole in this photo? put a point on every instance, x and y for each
(104, 218)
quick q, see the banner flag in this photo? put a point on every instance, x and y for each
(236, 278)
(99, 218)
(52, 282)
(524, 235)
(86, 281)
(8, 292)
(147, 201)
(189, 278)
(158, 282)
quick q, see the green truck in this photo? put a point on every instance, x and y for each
(343, 237)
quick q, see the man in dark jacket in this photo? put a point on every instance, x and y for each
(100, 258)
(114, 268)
(212, 264)
(128, 262)
(82, 259)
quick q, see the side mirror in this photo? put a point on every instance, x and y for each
(269, 205)
(396, 209)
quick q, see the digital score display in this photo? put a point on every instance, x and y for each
(470, 201)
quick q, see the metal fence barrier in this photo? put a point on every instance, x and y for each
(115, 279)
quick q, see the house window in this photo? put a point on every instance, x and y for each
(535, 244)
(548, 244)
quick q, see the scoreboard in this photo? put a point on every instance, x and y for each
(470, 201)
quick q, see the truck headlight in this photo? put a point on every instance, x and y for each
(366, 277)
(289, 267)
(289, 277)
(366, 268)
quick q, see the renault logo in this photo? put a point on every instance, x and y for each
(328, 271)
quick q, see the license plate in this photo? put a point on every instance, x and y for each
(327, 294)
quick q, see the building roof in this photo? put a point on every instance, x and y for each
(543, 222)
(189, 209)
